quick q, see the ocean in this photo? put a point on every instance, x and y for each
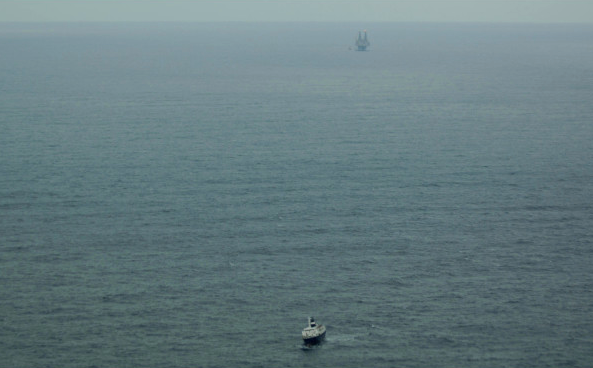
(188, 194)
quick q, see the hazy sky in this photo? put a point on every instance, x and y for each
(299, 10)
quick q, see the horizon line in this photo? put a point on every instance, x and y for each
(294, 21)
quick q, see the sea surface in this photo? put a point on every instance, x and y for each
(187, 194)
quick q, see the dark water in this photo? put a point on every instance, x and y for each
(186, 195)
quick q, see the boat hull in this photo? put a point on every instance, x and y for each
(314, 340)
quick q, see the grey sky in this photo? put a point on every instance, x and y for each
(299, 10)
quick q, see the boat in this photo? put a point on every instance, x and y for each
(313, 333)
(362, 43)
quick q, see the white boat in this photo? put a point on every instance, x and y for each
(313, 333)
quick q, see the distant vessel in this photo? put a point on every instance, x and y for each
(313, 333)
(362, 43)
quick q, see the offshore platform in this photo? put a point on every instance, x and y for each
(362, 43)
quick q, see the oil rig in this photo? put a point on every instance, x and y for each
(362, 43)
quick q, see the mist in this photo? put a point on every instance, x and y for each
(538, 11)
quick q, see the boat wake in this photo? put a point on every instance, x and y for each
(309, 347)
